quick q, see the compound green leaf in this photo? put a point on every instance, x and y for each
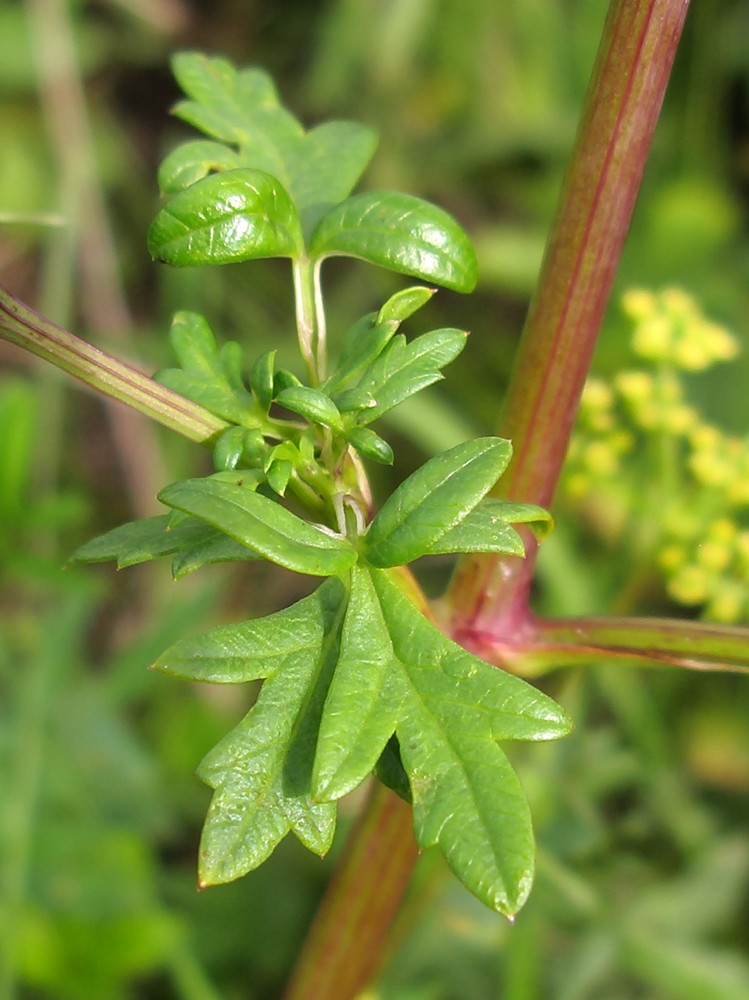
(402, 233)
(206, 376)
(232, 216)
(253, 650)
(318, 168)
(192, 162)
(263, 525)
(404, 369)
(224, 100)
(364, 699)
(434, 499)
(466, 797)
(260, 771)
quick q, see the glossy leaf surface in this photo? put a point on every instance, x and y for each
(434, 499)
(225, 218)
(263, 525)
(402, 233)
(313, 404)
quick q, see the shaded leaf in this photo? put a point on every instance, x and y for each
(400, 232)
(434, 499)
(192, 161)
(206, 376)
(263, 525)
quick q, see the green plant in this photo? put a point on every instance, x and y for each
(355, 677)
(488, 604)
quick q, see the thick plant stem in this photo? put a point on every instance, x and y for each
(360, 904)
(489, 593)
(621, 110)
(20, 325)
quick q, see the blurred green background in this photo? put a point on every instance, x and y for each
(642, 815)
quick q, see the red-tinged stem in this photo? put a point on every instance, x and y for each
(345, 946)
(544, 643)
(21, 325)
(490, 593)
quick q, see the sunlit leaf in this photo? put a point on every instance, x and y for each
(434, 499)
(400, 232)
(227, 217)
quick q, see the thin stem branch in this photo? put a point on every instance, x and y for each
(545, 643)
(629, 80)
(21, 325)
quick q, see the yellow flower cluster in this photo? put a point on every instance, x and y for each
(701, 542)
(670, 328)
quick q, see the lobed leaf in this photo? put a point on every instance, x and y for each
(488, 528)
(140, 541)
(228, 217)
(260, 771)
(400, 232)
(193, 161)
(434, 499)
(364, 699)
(466, 797)
(404, 369)
(318, 168)
(206, 376)
(263, 525)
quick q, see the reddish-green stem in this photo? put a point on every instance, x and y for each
(345, 945)
(21, 325)
(623, 103)
(489, 593)
(544, 643)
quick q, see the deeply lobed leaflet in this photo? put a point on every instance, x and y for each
(355, 678)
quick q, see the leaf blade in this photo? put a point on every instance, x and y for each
(263, 525)
(235, 215)
(400, 232)
(434, 499)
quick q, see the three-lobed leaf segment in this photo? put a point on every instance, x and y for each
(355, 665)
(263, 186)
